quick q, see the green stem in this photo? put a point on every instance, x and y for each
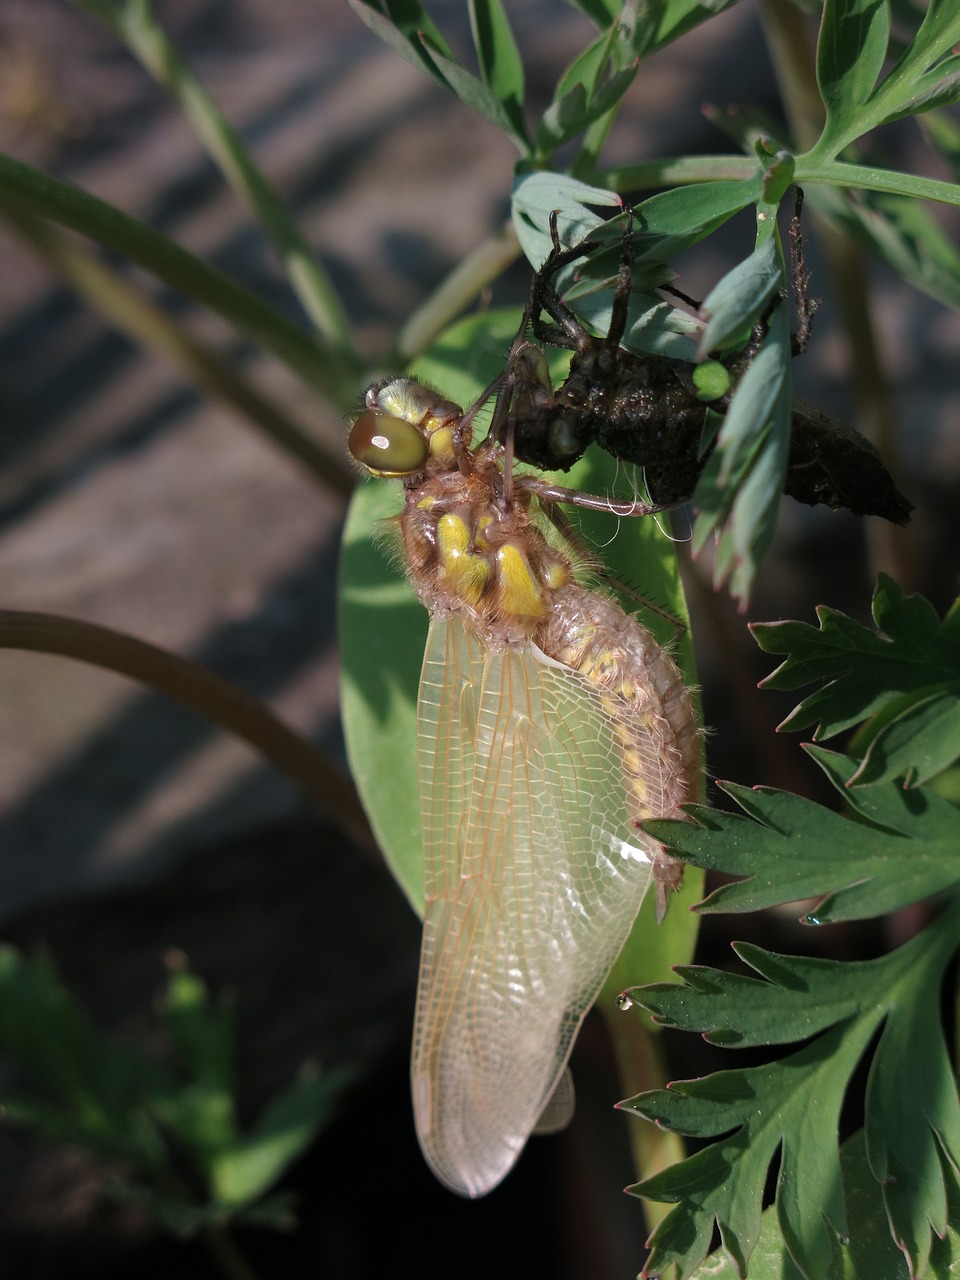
(673, 171)
(134, 21)
(146, 324)
(223, 1248)
(202, 691)
(30, 190)
(481, 266)
(640, 1067)
(869, 178)
(792, 55)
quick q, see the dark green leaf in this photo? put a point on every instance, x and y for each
(403, 26)
(916, 745)
(657, 24)
(738, 299)
(202, 1033)
(500, 64)
(913, 1134)
(914, 654)
(250, 1166)
(850, 53)
(902, 849)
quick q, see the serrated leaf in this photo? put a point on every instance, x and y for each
(913, 654)
(868, 1254)
(901, 849)
(916, 745)
(791, 1106)
(913, 1133)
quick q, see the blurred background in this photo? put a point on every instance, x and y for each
(129, 826)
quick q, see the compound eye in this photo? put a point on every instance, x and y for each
(386, 446)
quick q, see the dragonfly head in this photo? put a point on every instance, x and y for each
(404, 427)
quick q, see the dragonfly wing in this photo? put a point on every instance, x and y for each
(533, 877)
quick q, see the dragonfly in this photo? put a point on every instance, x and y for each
(646, 410)
(550, 724)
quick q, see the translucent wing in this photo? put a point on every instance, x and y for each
(533, 877)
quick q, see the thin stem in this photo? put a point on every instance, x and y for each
(793, 58)
(481, 266)
(225, 1252)
(136, 24)
(673, 171)
(31, 190)
(202, 691)
(133, 315)
(837, 173)
(640, 1067)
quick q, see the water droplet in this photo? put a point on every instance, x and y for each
(624, 1001)
(809, 920)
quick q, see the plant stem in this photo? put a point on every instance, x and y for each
(139, 319)
(481, 266)
(202, 691)
(30, 190)
(136, 24)
(223, 1248)
(788, 39)
(640, 1066)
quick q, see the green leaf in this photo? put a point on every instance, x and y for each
(251, 1165)
(793, 1104)
(202, 1033)
(576, 110)
(500, 64)
(901, 849)
(900, 230)
(408, 29)
(912, 653)
(38, 193)
(658, 24)
(867, 1254)
(535, 196)
(916, 745)
(850, 53)
(738, 299)
(738, 494)
(853, 44)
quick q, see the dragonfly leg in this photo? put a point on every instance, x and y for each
(548, 492)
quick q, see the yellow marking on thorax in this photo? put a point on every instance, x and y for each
(465, 573)
(519, 592)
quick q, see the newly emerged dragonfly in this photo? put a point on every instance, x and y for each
(550, 723)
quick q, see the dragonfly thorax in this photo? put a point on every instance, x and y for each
(473, 555)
